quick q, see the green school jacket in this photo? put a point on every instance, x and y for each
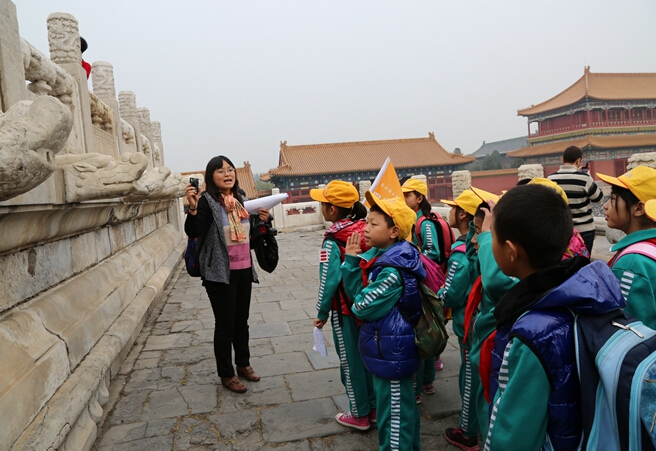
(430, 244)
(495, 285)
(637, 274)
(456, 288)
(520, 411)
(330, 275)
(379, 297)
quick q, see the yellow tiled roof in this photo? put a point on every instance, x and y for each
(601, 142)
(608, 86)
(363, 156)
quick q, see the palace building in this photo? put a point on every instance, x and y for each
(303, 167)
(610, 116)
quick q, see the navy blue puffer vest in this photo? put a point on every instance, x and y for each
(387, 345)
(550, 335)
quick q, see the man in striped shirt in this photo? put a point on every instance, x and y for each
(581, 190)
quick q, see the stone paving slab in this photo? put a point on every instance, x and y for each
(168, 395)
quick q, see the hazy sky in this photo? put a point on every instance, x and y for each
(236, 78)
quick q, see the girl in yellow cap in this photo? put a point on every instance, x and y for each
(634, 263)
(340, 204)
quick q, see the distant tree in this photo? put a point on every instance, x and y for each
(492, 161)
(457, 151)
(516, 162)
(262, 186)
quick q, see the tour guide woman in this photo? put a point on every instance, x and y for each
(218, 217)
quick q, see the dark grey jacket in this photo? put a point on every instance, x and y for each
(213, 256)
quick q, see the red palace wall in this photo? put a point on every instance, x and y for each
(494, 183)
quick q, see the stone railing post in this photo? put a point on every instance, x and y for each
(64, 44)
(641, 159)
(12, 71)
(102, 77)
(278, 212)
(364, 185)
(460, 181)
(529, 171)
(158, 147)
(127, 103)
(144, 121)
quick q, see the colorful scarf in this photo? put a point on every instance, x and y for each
(236, 212)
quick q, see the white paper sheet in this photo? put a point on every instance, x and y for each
(266, 202)
(319, 342)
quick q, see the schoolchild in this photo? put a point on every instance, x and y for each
(634, 262)
(534, 385)
(340, 204)
(459, 280)
(491, 285)
(383, 283)
(415, 192)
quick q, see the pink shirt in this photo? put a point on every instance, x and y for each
(240, 253)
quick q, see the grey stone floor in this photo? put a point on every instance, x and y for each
(167, 395)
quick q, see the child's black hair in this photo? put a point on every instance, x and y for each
(629, 198)
(356, 212)
(523, 182)
(479, 213)
(543, 228)
(388, 219)
(469, 216)
(424, 205)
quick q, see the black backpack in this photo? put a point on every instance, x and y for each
(264, 243)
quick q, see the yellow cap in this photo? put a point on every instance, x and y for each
(402, 215)
(415, 185)
(485, 195)
(550, 184)
(650, 209)
(339, 193)
(467, 200)
(641, 181)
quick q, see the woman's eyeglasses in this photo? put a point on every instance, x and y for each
(225, 171)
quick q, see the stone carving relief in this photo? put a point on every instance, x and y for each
(101, 114)
(102, 76)
(158, 183)
(46, 77)
(31, 133)
(157, 154)
(460, 181)
(144, 118)
(530, 171)
(641, 159)
(156, 131)
(128, 133)
(127, 103)
(145, 143)
(95, 176)
(64, 38)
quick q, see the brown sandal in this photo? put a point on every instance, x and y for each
(233, 384)
(248, 373)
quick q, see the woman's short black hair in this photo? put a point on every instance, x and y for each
(211, 188)
(536, 218)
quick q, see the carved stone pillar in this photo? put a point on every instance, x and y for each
(127, 103)
(158, 147)
(529, 171)
(102, 76)
(460, 181)
(64, 44)
(144, 121)
(12, 71)
(364, 185)
(641, 159)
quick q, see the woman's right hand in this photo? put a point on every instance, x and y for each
(192, 199)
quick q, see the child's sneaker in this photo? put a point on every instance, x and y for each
(429, 389)
(418, 399)
(372, 416)
(457, 438)
(439, 366)
(348, 420)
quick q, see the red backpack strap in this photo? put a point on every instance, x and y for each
(421, 219)
(473, 301)
(485, 364)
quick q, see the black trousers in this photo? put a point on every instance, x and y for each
(231, 305)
